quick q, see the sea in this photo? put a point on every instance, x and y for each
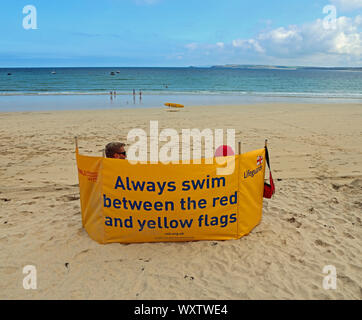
(36, 89)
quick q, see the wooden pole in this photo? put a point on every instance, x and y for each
(266, 142)
(239, 147)
(76, 142)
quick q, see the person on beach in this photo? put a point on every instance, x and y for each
(115, 150)
(140, 95)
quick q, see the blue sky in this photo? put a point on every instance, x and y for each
(181, 33)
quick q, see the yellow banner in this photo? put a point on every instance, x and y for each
(124, 202)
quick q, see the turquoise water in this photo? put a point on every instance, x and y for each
(193, 85)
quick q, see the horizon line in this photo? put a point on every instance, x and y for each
(226, 66)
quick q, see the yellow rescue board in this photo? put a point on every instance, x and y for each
(175, 105)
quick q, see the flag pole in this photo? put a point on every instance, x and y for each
(239, 147)
(76, 142)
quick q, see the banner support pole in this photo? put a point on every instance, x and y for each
(76, 142)
(238, 190)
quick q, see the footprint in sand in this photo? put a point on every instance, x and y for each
(358, 204)
(82, 253)
(294, 221)
(357, 183)
(338, 220)
(334, 200)
(321, 243)
(29, 203)
(69, 197)
(72, 224)
(19, 235)
(348, 235)
(39, 197)
(346, 279)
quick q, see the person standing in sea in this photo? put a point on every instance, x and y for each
(134, 96)
(140, 95)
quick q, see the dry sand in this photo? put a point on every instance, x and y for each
(314, 219)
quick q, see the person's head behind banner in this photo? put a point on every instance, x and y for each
(115, 150)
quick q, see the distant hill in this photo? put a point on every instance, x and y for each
(241, 66)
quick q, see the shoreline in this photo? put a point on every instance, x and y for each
(168, 109)
(306, 95)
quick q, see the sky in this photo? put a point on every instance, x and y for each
(180, 33)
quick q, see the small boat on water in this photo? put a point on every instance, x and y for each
(118, 71)
(112, 73)
(53, 72)
(9, 74)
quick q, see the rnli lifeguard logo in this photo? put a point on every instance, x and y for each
(259, 166)
(259, 160)
(91, 176)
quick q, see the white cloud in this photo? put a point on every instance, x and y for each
(204, 46)
(282, 35)
(248, 44)
(313, 43)
(347, 5)
(308, 40)
(191, 46)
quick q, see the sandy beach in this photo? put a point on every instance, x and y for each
(313, 220)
